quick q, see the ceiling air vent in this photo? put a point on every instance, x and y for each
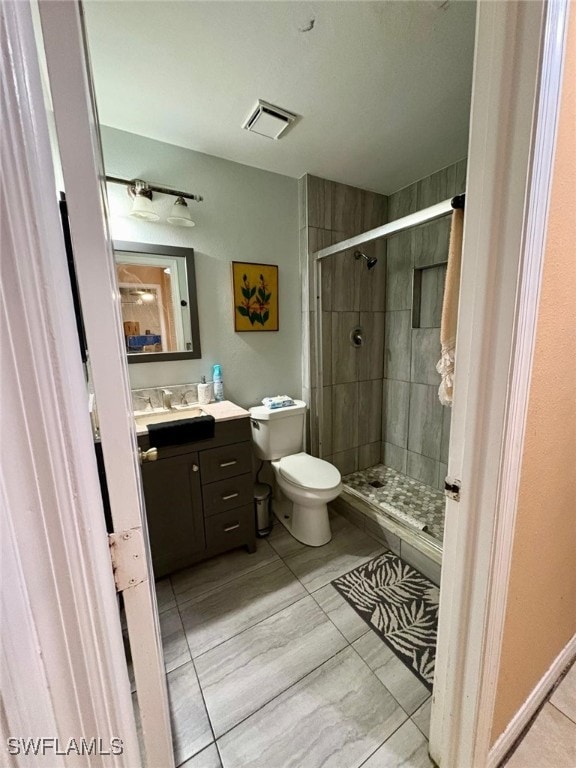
(268, 120)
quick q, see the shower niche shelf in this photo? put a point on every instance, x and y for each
(426, 314)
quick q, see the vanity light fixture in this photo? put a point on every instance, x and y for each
(180, 215)
(141, 192)
(142, 205)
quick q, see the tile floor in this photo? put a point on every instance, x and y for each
(269, 666)
(551, 740)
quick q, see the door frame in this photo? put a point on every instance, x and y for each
(62, 661)
(515, 106)
(81, 161)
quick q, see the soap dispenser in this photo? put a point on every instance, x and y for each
(204, 391)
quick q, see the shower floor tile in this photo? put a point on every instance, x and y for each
(401, 496)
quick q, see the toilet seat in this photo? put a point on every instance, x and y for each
(308, 472)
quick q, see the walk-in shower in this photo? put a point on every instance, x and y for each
(375, 411)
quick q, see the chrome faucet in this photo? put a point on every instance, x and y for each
(167, 398)
(184, 396)
(147, 400)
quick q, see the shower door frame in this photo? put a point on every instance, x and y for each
(426, 543)
(390, 229)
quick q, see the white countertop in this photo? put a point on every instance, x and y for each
(224, 410)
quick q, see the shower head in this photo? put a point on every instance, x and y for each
(371, 261)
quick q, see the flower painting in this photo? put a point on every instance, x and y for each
(255, 296)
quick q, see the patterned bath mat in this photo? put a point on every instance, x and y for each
(400, 605)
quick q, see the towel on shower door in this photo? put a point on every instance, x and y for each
(445, 366)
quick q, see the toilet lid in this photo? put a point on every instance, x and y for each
(309, 472)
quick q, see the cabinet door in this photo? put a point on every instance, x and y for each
(174, 511)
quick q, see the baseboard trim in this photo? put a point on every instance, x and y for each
(506, 741)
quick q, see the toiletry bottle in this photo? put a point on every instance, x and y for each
(204, 391)
(218, 384)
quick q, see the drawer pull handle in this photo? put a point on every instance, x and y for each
(230, 496)
(228, 463)
(231, 527)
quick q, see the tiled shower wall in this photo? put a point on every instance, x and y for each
(415, 426)
(352, 296)
(380, 401)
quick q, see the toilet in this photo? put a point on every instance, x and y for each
(304, 484)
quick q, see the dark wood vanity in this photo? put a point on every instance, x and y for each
(199, 497)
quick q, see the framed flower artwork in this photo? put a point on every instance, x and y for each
(255, 289)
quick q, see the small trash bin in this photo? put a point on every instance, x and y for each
(262, 509)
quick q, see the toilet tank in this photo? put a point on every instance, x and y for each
(278, 432)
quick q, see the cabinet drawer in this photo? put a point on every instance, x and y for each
(226, 461)
(227, 494)
(230, 529)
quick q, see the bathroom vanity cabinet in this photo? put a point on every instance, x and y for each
(199, 497)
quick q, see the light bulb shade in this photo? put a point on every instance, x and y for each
(180, 215)
(142, 208)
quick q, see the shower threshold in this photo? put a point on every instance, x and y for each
(398, 505)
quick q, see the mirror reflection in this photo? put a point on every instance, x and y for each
(158, 301)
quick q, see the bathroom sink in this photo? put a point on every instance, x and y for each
(158, 417)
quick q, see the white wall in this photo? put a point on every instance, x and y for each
(247, 215)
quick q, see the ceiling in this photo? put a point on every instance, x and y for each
(382, 89)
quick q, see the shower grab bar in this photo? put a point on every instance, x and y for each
(394, 227)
